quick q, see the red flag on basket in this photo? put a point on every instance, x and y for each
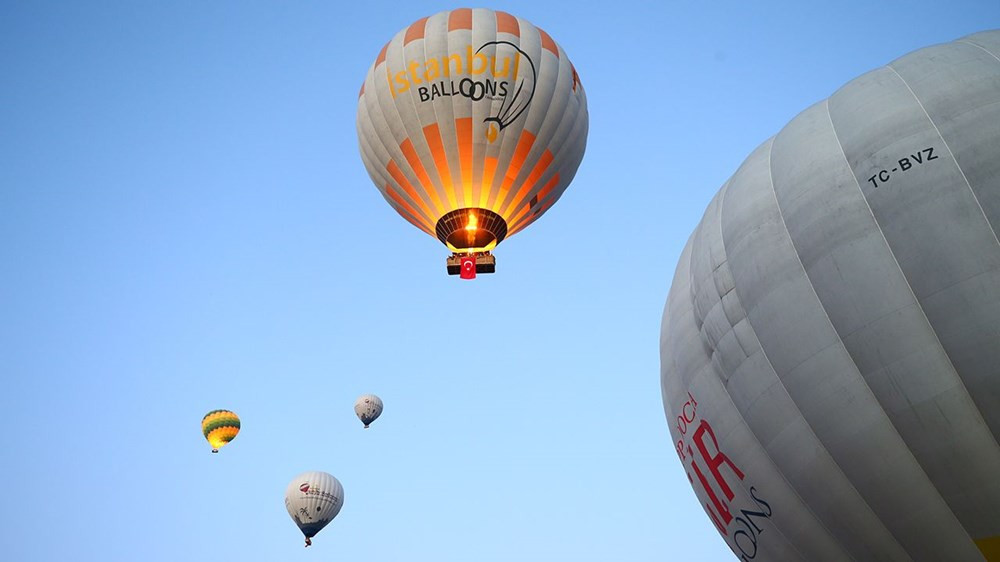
(468, 270)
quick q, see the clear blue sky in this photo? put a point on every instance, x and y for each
(183, 205)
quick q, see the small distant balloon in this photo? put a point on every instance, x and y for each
(313, 499)
(220, 427)
(368, 407)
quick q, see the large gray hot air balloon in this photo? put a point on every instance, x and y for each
(830, 348)
(313, 499)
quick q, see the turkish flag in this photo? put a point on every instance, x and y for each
(468, 270)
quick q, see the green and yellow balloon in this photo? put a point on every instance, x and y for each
(220, 427)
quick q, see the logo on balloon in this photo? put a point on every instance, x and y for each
(738, 520)
(507, 76)
(314, 492)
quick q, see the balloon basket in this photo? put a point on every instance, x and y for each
(485, 262)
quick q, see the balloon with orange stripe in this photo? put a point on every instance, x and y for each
(472, 123)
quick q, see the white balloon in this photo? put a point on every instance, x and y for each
(472, 123)
(368, 407)
(313, 499)
(829, 347)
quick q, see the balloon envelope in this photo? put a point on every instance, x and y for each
(831, 341)
(313, 499)
(368, 407)
(219, 428)
(471, 124)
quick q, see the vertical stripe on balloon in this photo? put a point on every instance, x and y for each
(463, 129)
(381, 59)
(536, 173)
(520, 153)
(507, 23)
(397, 175)
(548, 187)
(533, 204)
(460, 19)
(418, 168)
(432, 133)
(519, 214)
(541, 207)
(489, 170)
(530, 218)
(415, 31)
(547, 42)
(381, 54)
(410, 214)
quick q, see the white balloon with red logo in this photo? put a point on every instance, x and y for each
(313, 499)
(830, 343)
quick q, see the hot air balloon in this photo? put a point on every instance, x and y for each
(313, 499)
(368, 407)
(472, 123)
(831, 341)
(220, 427)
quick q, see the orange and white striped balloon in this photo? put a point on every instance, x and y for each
(472, 123)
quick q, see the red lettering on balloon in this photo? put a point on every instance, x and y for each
(719, 506)
(714, 462)
(715, 519)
